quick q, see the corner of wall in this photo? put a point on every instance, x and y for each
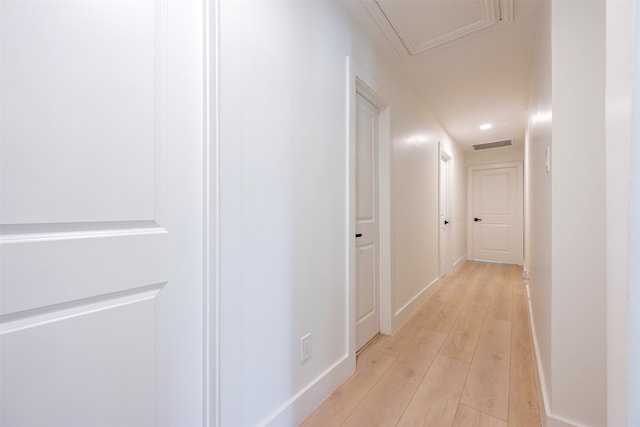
(401, 315)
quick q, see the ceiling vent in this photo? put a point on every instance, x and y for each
(496, 144)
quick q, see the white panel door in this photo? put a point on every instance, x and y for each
(367, 283)
(497, 214)
(101, 213)
(443, 218)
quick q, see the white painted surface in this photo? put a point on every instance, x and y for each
(478, 79)
(538, 210)
(634, 240)
(457, 204)
(442, 220)
(415, 195)
(101, 213)
(495, 215)
(367, 222)
(619, 96)
(284, 202)
(283, 199)
(566, 254)
(364, 84)
(578, 226)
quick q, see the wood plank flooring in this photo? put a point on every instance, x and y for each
(463, 359)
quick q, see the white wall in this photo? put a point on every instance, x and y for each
(284, 229)
(634, 240)
(578, 213)
(415, 162)
(567, 255)
(619, 96)
(537, 250)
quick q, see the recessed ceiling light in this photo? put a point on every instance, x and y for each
(486, 126)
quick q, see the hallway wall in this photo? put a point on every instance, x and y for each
(284, 226)
(620, 44)
(537, 251)
(566, 255)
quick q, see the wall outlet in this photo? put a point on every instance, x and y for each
(305, 348)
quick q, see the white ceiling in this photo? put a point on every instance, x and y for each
(469, 60)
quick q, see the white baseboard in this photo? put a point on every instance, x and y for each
(548, 419)
(553, 421)
(458, 263)
(302, 404)
(402, 314)
(537, 364)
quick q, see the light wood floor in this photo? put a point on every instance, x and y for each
(463, 359)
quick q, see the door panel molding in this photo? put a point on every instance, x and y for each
(102, 230)
(375, 94)
(518, 165)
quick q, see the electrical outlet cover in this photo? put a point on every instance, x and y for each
(305, 348)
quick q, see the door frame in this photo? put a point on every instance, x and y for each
(446, 187)
(520, 196)
(211, 416)
(359, 82)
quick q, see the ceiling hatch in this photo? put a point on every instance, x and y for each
(496, 144)
(415, 27)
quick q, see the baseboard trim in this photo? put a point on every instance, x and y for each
(303, 403)
(555, 421)
(459, 263)
(537, 365)
(548, 419)
(412, 305)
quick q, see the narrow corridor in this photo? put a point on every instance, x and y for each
(463, 359)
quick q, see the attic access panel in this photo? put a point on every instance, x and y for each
(415, 27)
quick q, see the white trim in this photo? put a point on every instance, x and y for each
(547, 417)
(458, 263)
(384, 175)
(301, 404)
(487, 166)
(444, 157)
(410, 307)
(211, 217)
(495, 14)
(361, 83)
(350, 214)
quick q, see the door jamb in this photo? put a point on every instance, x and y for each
(211, 413)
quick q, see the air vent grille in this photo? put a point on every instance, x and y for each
(496, 144)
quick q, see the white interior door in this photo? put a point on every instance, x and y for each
(367, 229)
(101, 213)
(496, 214)
(443, 217)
